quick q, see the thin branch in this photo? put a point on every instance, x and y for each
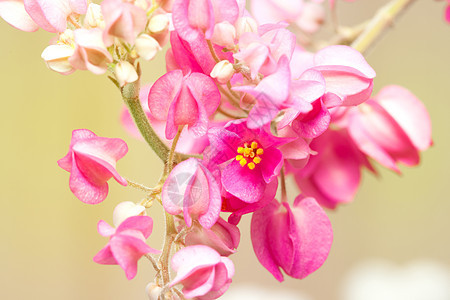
(380, 22)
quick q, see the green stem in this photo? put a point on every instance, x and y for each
(164, 258)
(380, 22)
(130, 95)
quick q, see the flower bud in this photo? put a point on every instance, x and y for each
(224, 34)
(141, 3)
(223, 71)
(153, 291)
(56, 58)
(159, 23)
(94, 16)
(245, 24)
(125, 73)
(126, 209)
(147, 46)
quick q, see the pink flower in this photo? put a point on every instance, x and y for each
(123, 20)
(13, 12)
(447, 12)
(391, 128)
(187, 143)
(191, 188)
(126, 243)
(91, 161)
(90, 51)
(195, 18)
(273, 11)
(51, 15)
(349, 78)
(249, 159)
(203, 272)
(222, 237)
(294, 238)
(332, 176)
(184, 100)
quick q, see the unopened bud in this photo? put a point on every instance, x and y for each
(141, 3)
(94, 16)
(245, 24)
(224, 34)
(57, 56)
(153, 291)
(126, 209)
(125, 73)
(159, 23)
(223, 71)
(147, 46)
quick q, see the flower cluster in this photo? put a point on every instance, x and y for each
(244, 106)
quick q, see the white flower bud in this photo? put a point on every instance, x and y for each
(125, 73)
(224, 34)
(153, 291)
(57, 58)
(94, 16)
(159, 23)
(246, 24)
(223, 71)
(126, 209)
(147, 46)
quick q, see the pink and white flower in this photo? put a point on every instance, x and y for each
(203, 273)
(91, 161)
(126, 243)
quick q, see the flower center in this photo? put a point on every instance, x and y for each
(249, 155)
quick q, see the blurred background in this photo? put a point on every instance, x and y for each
(48, 237)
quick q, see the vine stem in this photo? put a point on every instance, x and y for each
(164, 258)
(379, 23)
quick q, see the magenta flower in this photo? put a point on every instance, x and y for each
(51, 15)
(90, 51)
(222, 237)
(126, 243)
(294, 238)
(184, 100)
(122, 20)
(202, 271)
(196, 18)
(332, 176)
(192, 190)
(91, 161)
(249, 159)
(391, 128)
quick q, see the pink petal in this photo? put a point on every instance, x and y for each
(105, 257)
(447, 14)
(14, 13)
(315, 237)
(144, 224)
(409, 112)
(78, 6)
(199, 283)
(77, 135)
(247, 185)
(205, 91)
(105, 229)
(271, 163)
(192, 258)
(85, 190)
(127, 251)
(163, 92)
(51, 17)
(314, 123)
(260, 221)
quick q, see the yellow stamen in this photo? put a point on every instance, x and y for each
(240, 150)
(251, 166)
(243, 161)
(260, 151)
(247, 151)
(239, 157)
(252, 154)
(254, 145)
(257, 160)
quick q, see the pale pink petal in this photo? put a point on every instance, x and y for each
(409, 112)
(105, 256)
(105, 229)
(144, 224)
(49, 15)
(14, 13)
